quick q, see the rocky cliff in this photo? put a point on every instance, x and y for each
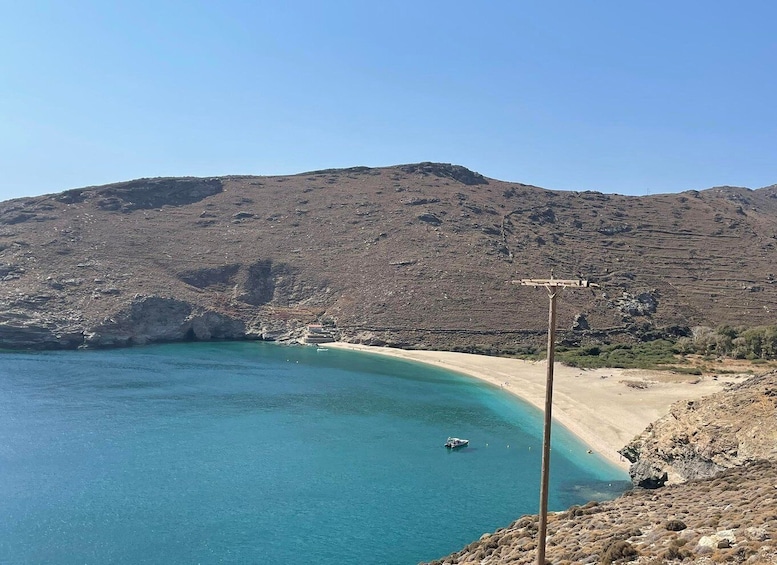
(699, 438)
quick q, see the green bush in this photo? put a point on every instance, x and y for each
(628, 356)
(757, 344)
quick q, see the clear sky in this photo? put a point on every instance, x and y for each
(616, 96)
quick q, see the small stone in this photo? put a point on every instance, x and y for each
(757, 533)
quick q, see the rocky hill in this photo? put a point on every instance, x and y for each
(415, 255)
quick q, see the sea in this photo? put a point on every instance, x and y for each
(252, 452)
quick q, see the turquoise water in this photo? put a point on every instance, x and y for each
(259, 453)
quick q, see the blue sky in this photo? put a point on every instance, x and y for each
(624, 97)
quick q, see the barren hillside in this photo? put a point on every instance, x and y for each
(415, 255)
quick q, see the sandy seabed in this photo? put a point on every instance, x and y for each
(605, 408)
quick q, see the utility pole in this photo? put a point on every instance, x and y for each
(553, 286)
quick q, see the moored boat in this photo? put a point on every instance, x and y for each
(454, 442)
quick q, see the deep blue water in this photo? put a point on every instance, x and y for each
(259, 453)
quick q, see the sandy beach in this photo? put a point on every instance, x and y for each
(605, 408)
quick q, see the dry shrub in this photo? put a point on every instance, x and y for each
(746, 549)
(712, 521)
(491, 543)
(640, 385)
(678, 542)
(654, 536)
(678, 553)
(722, 557)
(675, 525)
(628, 533)
(575, 511)
(525, 522)
(738, 554)
(618, 550)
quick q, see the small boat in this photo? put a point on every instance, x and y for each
(454, 442)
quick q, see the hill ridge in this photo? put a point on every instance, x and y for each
(416, 255)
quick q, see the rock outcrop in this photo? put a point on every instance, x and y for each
(20, 330)
(697, 439)
(152, 319)
(445, 170)
(145, 194)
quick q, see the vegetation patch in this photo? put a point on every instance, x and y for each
(648, 355)
(757, 346)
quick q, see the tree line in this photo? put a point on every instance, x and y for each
(752, 343)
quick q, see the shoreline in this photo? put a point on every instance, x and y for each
(604, 408)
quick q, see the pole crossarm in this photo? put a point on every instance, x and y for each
(557, 283)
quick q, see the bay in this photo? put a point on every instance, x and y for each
(259, 453)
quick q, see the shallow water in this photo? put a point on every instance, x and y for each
(259, 453)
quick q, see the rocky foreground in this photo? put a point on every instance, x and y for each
(721, 454)
(731, 518)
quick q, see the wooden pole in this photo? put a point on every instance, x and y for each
(543, 526)
(553, 286)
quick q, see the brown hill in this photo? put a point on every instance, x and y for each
(414, 255)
